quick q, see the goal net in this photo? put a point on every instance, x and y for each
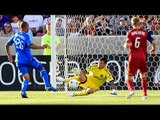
(86, 38)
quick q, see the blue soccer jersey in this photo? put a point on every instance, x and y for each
(22, 42)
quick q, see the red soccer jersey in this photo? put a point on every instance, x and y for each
(137, 55)
(138, 40)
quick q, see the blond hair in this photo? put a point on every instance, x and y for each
(135, 21)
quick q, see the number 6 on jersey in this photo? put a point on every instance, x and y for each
(137, 42)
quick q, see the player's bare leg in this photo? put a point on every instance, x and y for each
(130, 86)
(144, 85)
(113, 92)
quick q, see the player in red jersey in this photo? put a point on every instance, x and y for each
(136, 41)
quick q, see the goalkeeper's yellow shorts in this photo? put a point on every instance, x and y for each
(89, 84)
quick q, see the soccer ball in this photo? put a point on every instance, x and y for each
(73, 84)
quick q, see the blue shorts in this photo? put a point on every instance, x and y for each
(23, 67)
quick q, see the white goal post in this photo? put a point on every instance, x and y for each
(53, 53)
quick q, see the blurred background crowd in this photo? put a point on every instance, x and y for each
(78, 25)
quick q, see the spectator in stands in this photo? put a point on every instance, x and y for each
(157, 30)
(74, 24)
(158, 16)
(45, 16)
(145, 17)
(126, 17)
(7, 31)
(158, 22)
(103, 29)
(153, 26)
(74, 32)
(59, 29)
(89, 24)
(35, 23)
(113, 24)
(29, 31)
(10, 16)
(144, 25)
(62, 20)
(3, 19)
(149, 24)
(68, 29)
(123, 28)
(46, 39)
(98, 21)
(45, 21)
(14, 23)
(116, 18)
(151, 17)
(88, 27)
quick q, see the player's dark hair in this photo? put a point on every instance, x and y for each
(23, 25)
(103, 59)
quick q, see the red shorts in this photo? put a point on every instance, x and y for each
(135, 63)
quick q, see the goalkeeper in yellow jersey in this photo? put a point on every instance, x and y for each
(92, 78)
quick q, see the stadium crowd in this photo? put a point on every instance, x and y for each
(79, 25)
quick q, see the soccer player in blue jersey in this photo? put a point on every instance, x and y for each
(25, 59)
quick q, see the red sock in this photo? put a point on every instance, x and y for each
(144, 86)
(130, 85)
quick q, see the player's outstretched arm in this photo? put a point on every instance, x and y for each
(61, 79)
(153, 49)
(33, 46)
(9, 55)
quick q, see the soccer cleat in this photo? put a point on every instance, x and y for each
(24, 95)
(130, 94)
(72, 94)
(113, 92)
(51, 89)
(144, 97)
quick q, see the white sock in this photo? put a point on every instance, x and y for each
(113, 90)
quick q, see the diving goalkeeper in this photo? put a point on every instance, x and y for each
(92, 78)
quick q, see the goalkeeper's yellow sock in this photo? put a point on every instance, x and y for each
(81, 93)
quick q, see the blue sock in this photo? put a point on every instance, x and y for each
(24, 86)
(44, 76)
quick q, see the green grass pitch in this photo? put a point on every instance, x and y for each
(61, 98)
